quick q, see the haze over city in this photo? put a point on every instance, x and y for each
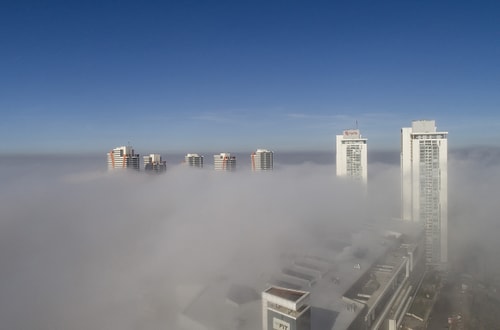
(84, 247)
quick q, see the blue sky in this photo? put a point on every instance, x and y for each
(190, 76)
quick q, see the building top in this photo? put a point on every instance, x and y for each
(127, 150)
(193, 155)
(262, 150)
(153, 158)
(423, 126)
(351, 134)
(287, 294)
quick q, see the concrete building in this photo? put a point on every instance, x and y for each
(285, 309)
(123, 158)
(194, 160)
(424, 181)
(262, 160)
(224, 162)
(362, 277)
(351, 158)
(154, 164)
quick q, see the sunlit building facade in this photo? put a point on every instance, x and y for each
(193, 160)
(123, 158)
(351, 155)
(262, 160)
(224, 162)
(424, 191)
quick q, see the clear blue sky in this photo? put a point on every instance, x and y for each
(189, 76)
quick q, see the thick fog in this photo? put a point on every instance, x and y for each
(82, 248)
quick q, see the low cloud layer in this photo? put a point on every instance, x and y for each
(81, 248)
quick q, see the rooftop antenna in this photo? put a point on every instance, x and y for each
(356, 124)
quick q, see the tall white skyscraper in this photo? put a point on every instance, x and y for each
(224, 162)
(262, 160)
(424, 189)
(122, 158)
(351, 160)
(194, 160)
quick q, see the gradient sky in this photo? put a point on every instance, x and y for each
(190, 76)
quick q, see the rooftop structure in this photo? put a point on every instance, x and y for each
(284, 308)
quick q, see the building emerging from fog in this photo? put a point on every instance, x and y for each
(224, 162)
(123, 158)
(284, 308)
(193, 160)
(351, 160)
(424, 191)
(154, 164)
(262, 160)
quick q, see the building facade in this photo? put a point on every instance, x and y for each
(285, 309)
(262, 160)
(154, 164)
(224, 162)
(193, 160)
(123, 158)
(351, 155)
(424, 191)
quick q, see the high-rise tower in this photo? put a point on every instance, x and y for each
(123, 157)
(351, 160)
(262, 160)
(224, 162)
(424, 185)
(193, 160)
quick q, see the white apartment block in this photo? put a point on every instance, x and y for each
(193, 160)
(262, 160)
(424, 185)
(123, 158)
(224, 162)
(351, 155)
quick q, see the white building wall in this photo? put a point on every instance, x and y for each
(406, 173)
(424, 185)
(193, 160)
(262, 160)
(122, 158)
(224, 162)
(351, 156)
